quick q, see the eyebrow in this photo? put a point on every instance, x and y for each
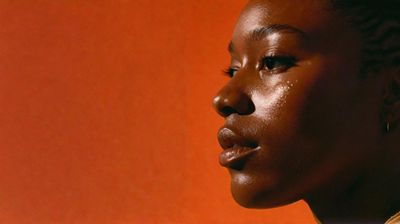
(262, 32)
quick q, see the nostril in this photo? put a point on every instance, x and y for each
(247, 107)
(226, 111)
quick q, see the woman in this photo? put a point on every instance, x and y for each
(312, 106)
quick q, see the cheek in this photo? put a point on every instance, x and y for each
(309, 100)
(268, 105)
(324, 100)
(281, 103)
(303, 114)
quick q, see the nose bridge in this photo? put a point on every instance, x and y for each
(235, 97)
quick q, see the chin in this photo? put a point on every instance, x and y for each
(251, 192)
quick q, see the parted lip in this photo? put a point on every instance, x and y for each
(237, 148)
(228, 138)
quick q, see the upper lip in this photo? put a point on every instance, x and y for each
(228, 138)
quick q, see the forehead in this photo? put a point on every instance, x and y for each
(310, 16)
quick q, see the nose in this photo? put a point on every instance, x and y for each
(232, 100)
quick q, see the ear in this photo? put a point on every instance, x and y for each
(391, 103)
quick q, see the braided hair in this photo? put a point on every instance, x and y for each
(379, 24)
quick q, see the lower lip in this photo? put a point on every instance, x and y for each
(235, 157)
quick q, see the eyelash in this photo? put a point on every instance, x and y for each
(274, 64)
(230, 71)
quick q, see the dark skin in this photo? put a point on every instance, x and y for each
(300, 123)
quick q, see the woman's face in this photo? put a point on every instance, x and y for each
(298, 117)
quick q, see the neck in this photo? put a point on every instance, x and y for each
(373, 197)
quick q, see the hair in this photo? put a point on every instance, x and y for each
(379, 24)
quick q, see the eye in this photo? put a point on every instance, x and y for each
(230, 71)
(278, 64)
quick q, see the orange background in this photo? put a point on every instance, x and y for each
(106, 117)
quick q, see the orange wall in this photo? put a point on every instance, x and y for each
(105, 113)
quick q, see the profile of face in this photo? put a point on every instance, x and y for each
(298, 117)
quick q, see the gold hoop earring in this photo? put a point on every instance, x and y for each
(387, 126)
